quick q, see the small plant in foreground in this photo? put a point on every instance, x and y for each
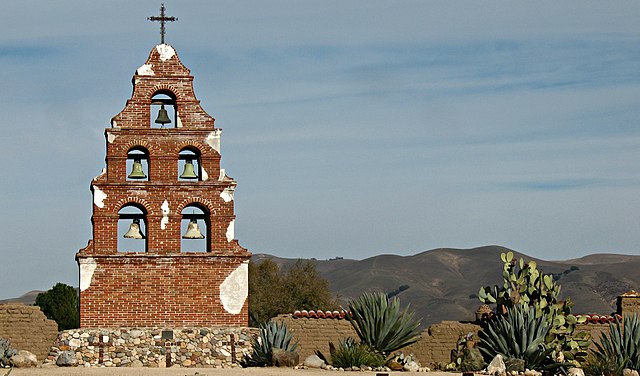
(599, 365)
(518, 334)
(350, 353)
(621, 346)
(273, 335)
(6, 352)
(380, 323)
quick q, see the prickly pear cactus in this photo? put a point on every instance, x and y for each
(524, 283)
(6, 352)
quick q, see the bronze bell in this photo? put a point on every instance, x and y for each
(134, 230)
(189, 172)
(136, 171)
(193, 231)
(163, 117)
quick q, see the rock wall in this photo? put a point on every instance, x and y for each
(130, 347)
(27, 328)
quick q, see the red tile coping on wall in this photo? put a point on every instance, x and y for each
(319, 314)
(593, 318)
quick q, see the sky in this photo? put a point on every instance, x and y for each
(354, 128)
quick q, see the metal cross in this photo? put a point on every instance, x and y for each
(162, 20)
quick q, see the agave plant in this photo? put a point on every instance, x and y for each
(6, 352)
(350, 353)
(273, 335)
(517, 334)
(622, 344)
(381, 324)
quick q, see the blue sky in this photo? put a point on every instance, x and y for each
(354, 128)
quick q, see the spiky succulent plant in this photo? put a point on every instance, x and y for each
(273, 335)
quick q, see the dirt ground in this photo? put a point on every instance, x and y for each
(197, 372)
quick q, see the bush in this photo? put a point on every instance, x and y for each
(620, 348)
(349, 353)
(519, 335)
(60, 304)
(381, 324)
(6, 352)
(273, 335)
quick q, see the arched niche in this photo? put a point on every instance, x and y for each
(130, 238)
(189, 155)
(164, 101)
(137, 164)
(195, 229)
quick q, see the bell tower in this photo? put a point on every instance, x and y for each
(163, 191)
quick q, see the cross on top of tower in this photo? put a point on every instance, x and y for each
(162, 20)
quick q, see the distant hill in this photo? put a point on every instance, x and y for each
(443, 283)
(28, 298)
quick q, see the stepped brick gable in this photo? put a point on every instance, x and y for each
(149, 276)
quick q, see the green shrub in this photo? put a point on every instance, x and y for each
(6, 352)
(518, 334)
(350, 353)
(599, 365)
(381, 324)
(621, 346)
(273, 335)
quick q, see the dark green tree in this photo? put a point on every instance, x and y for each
(60, 304)
(273, 291)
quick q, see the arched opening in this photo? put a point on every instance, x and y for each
(164, 112)
(195, 228)
(132, 228)
(189, 166)
(138, 164)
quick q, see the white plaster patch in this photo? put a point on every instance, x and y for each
(227, 194)
(231, 230)
(235, 289)
(166, 52)
(98, 197)
(165, 214)
(114, 124)
(205, 176)
(178, 122)
(213, 139)
(87, 267)
(145, 70)
(111, 137)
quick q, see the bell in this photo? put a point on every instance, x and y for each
(193, 231)
(136, 171)
(163, 117)
(189, 172)
(134, 230)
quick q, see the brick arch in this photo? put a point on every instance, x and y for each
(163, 87)
(203, 148)
(134, 200)
(141, 143)
(196, 200)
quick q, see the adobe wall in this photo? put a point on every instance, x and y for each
(27, 328)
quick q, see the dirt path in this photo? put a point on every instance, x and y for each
(195, 372)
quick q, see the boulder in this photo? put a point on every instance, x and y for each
(512, 364)
(314, 361)
(395, 366)
(24, 359)
(135, 363)
(471, 360)
(411, 366)
(575, 371)
(629, 372)
(497, 367)
(283, 358)
(67, 359)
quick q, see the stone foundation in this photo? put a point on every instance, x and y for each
(144, 347)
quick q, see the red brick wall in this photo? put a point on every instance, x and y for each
(161, 286)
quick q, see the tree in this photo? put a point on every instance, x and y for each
(60, 304)
(273, 291)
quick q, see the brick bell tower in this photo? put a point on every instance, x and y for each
(163, 252)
